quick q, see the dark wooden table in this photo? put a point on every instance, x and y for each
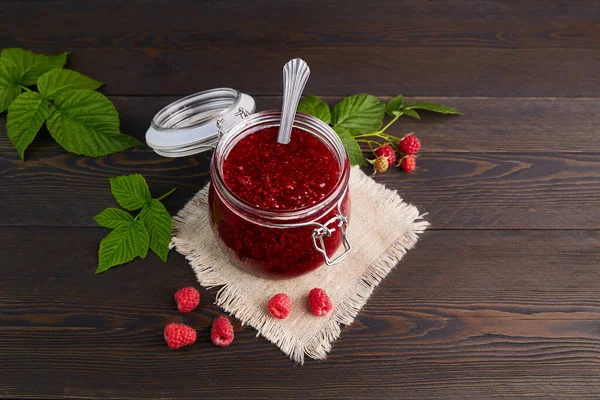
(501, 297)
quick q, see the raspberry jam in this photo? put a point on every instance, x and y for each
(274, 176)
(268, 201)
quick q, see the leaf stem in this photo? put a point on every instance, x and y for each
(389, 123)
(364, 135)
(25, 88)
(388, 138)
(164, 196)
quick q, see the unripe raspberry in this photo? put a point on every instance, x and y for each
(381, 165)
(388, 152)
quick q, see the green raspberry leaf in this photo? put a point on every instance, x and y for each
(122, 245)
(9, 83)
(113, 218)
(31, 66)
(159, 224)
(26, 115)
(438, 108)
(316, 107)
(352, 147)
(412, 113)
(360, 113)
(85, 122)
(394, 104)
(56, 81)
(131, 191)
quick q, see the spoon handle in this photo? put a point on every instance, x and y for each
(295, 76)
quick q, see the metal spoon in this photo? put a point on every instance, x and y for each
(295, 76)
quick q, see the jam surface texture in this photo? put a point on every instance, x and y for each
(273, 176)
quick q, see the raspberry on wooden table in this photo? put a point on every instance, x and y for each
(221, 332)
(179, 335)
(187, 299)
(408, 163)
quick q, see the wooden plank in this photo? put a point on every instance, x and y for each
(514, 190)
(512, 125)
(458, 190)
(416, 71)
(459, 48)
(470, 273)
(417, 23)
(504, 191)
(466, 314)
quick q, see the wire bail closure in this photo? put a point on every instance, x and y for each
(323, 230)
(241, 112)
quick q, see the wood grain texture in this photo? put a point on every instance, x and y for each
(502, 165)
(418, 23)
(510, 125)
(474, 191)
(546, 48)
(491, 320)
(498, 300)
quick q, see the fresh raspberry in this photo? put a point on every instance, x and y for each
(409, 144)
(187, 299)
(179, 335)
(381, 165)
(280, 305)
(387, 152)
(408, 163)
(221, 332)
(319, 302)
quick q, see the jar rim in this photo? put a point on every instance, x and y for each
(196, 109)
(271, 118)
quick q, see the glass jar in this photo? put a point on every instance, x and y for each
(280, 244)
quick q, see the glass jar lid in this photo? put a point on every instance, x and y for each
(195, 123)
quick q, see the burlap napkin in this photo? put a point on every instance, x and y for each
(382, 228)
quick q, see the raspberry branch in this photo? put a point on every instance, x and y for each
(358, 119)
